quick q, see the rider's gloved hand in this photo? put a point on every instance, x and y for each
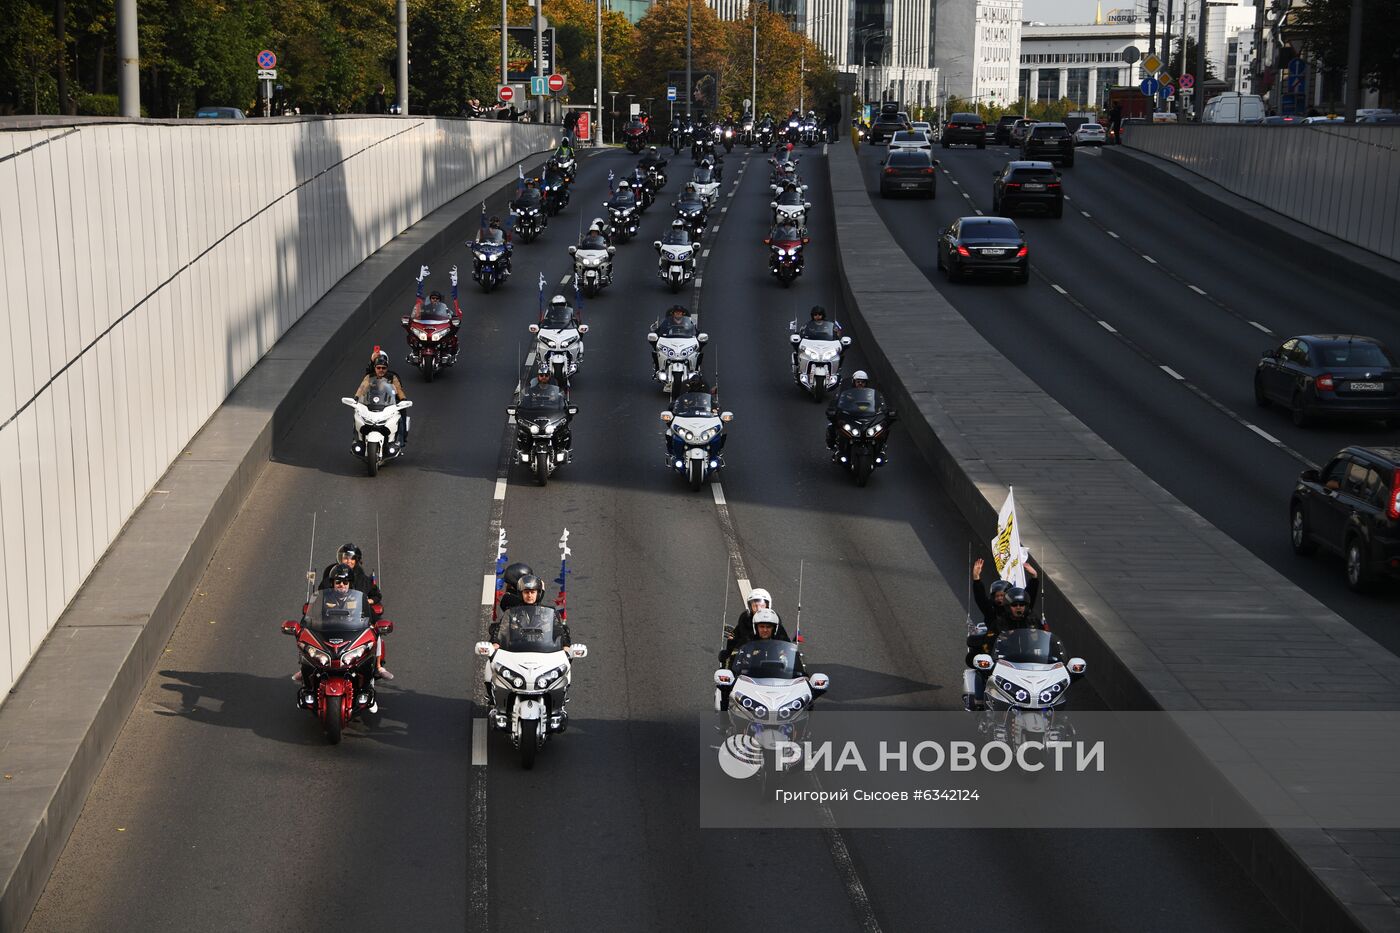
(452, 275)
(422, 273)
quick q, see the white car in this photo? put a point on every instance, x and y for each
(910, 139)
(1090, 134)
(925, 128)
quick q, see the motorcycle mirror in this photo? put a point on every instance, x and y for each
(572, 250)
(983, 662)
(383, 627)
(703, 338)
(583, 328)
(483, 649)
(767, 241)
(806, 205)
(611, 250)
(656, 244)
(347, 400)
(573, 410)
(406, 403)
(652, 337)
(819, 681)
(1077, 665)
(578, 651)
(666, 417)
(773, 204)
(845, 341)
(534, 328)
(291, 627)
(796, 339)
(806, 240)
(726, 417)
(723, 678)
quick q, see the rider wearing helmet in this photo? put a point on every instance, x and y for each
(759, 601)
(435, 309)
(350, 559)
(650, 159)
(994, 601)
(678, 235)
(510, 578)
(765, 626)
(378, 368)
(859, 380)
(531, 589)
(818, 316)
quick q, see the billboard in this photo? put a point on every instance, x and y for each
(520, 56)
(704, 90)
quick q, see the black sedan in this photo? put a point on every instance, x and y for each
(1027, 184)
(965, 128)
(909, 171)
(1330, 374)
(1351, 507)
(972, 246)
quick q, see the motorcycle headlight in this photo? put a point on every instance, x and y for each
(509, 676)
(851, 429)
(782, 252)
(876, 429)
(568, 342)
(687, 435)
(706, 435)
(534, 429)
(682, 257)
(351, 657)
(439, 334)
(420, 333)
(828, 355)
(316, 654)
(592, 263)
(549, 428)
(548, 677)
(482, 257)
(1013, 689)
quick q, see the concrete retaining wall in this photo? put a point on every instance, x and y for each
(144, 268)
(1342, 180)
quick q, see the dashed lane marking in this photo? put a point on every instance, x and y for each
(1262, 433)
(715, 229)
(1173, 373)
(1111, 233)
(1261, 327)
(956, 182)
(1058, 289)
(1086, 213)
(1108, 327)
(1197, 289)
(566, 279)
(705, 254)
(979, 212)
(479, 741)
(500, 488)
(718, 493)
(488, 590)
(697, 281)
(1149, 259)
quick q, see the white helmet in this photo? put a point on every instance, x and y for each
(859, 374)
(760, 593)
(624, 185)
(765, 617)
(597, 224)
(558, 302)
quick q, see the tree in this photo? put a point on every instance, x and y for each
(27, 83)
(1190, 63)
(661, 33)
(1324, 28)
(454, 46)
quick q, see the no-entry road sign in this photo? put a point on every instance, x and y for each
(556, 83)
(506, 93)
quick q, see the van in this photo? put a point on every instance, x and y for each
(1233, 107)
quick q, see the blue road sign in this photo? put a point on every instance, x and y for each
(1296, 84)
(1166, 91)
(537, 85)
(1297, 66)
(267, 59)
(670, 92)
(1149, 87)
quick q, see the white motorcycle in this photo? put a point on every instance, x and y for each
(676, 350)
(559, 342)
(377, 438)
(1024, 686)
(676, 265)
(706, 185)
(592, 268)
(767, 703)
(529, 676)
(816, 356)
(695, 436)
(790, 213)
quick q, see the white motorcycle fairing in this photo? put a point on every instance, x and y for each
(819, 359)
(560, 346)
(676, 356)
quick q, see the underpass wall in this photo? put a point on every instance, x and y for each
(145, 268)
(1339, 179)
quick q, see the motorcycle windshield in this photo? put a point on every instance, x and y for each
(379, 395)
(435, 311)
(593, 242)
(540, 400)
(530, 197)
(685, 327)
(819, 330)
(340, 614)
(766, 658)
(702, 176)
(1026, 646)
(860, 403)
(693, 405)
(530, 630)
(559, 319)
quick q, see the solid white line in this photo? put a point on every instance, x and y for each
(1262, 433)
(744, 587)
(1058, 289)
(479, 734)
(1111, 233)
(1108, 327)
(488, 590)
(566, 280)
(1173, 373)
(1085, 213)
(718, 492)
(1198, 291)
(1149, 259)
(500, 488)
(1261, 327)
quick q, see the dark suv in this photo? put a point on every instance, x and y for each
(1004, 126)
(886, 125)
(1027, 184)
(1352, 507)
(1051, 141)
(965, 128)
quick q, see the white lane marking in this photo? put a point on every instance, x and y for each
(1108, 327)
(979, 211)
(718, 492)
(744, 588)
(1173, 373)
(715, 229)
(529, 359)
(1260, 326)
(705, 254)
(1111, 233)
(488, 590)
(566, 280)
(955, 181)
(697, 285)
(500, 488)
(479, 742)
(1149, 259)
(966, 195)
(1068, 198)
(1085, 213)
(1262, 433)
(1196, 289)
(724, 210)
(1058, 289)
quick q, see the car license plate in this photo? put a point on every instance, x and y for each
(993, 252)
(1032, 186)
(1368, 386)
(908, 184)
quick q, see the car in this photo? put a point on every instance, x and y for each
(909, 170)
(1052, 141)
(1379, 118)
(1004, 125)
(966, 128)
(1342, 375)
(1234, 107)
(1090, 134)
(219, 113)
(910, 139)
(1018, 131)
(1330, 118)
(1287, 119)
(1027, 184)
(886, 125)
(922, 126)
(973, 246)
(1351, 507)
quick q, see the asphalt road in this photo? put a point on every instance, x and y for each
(1145, 319)
(223, 808)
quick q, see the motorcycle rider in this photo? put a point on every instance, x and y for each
(510, 597)
(743, 629)
(859, 380)
(651, 159)
(678, 235)
(348, 561)
(378, 368)
(715, 164)
(594, 237)
(339, 591)
(675, 316)
(565, 150)
(531, 593)
(785, 231)
(766, 626)
(492, 233)
(543, 390)
(993, 600)
(818, 315)
(435, 309)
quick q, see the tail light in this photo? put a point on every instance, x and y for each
(928, 171)
(981, 126)
(1392, 505)
(1052, 184)
(1325, 383)
(889, 171)
(962, 251)
(1013, 184)
(1021, 253)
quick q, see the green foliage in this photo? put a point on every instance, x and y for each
(1178, 65)
(98, 105)
(1324, 27)
(454, 56)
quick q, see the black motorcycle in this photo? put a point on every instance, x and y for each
(656, 178)
(693, 213)
(542, 436)
(528, 214)
(623, 220)
(556, 192)
(765, 136)
(862, 423)
(645, 196)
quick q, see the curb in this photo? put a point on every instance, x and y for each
(64, 714)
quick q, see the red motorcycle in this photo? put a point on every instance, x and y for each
(785, 255)
(432, 343)
(339, 655)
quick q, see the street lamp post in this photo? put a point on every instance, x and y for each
(614, 94)
(753, 81)
(689, 82)
(878, 33)
(598, 88)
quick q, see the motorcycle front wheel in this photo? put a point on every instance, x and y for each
(429, 368)
(334, 708)
(675, 286)
(695, 474)
(862, 463)
(541, 467)
(372, 458)
(818, 388)
(529, 742)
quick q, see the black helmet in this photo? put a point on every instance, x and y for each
(341, 573)
(349, 550)
(512, 574)
(818, 311)
(1016, 596)
(494, 221)
(674, 308)
(530, 582)
(435, 296)
(696, 383)
(1000, 586)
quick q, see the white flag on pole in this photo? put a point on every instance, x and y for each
(1010, 557)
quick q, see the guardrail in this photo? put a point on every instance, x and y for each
(1341, 179)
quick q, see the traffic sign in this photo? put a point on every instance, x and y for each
(267, 74)
(267, 59)
(1131, 55)
(1151, 64)
(1149, 87)
(556, 83)
(537, 85)
(1166, 91)
(506, 93)
(1165, 78)
(670, 92)
(1297, 66)
(1188, 82)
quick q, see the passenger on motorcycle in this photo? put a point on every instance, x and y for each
(378, 368)
(510, 597)
(650, 158)
(492, 233)
(766, 626)
(595, 238)
(338, 589)
(992, 600)
(743, 629)
(531, 590)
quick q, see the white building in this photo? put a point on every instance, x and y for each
(977, 48)
(1239, 52)
(1078, 61)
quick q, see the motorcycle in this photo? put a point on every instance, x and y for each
(542, 436)
(793, 132)
(635, 137)
(556, 193)
(530, 676)
(695, 437)
(816, 357)
(746, 134)
(695, 215)
(676, 265)
(593, 268)
(490, 264)
(729, 139)
(706, 184)
(1024, 684)
(529, 221)
(785, 258)
(559, 342)
(704, 145)
(567, 167)
(765, 136)
(622, 221)
(377, 438)
(792, 212)
(656, 178)
(862, 426)
(811, 133)
(432, 345)
(767, 704)
(645, 196)
(676, 349)
(339, 654)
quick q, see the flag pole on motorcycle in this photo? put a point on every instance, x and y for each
(561, 600)
(501, 559)
(520, 179)
(797, 638)
(310, 571)
(611, 176)
(541, 297)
